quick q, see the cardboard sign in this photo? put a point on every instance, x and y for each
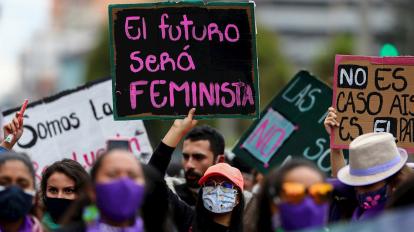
(290, 126)
(75, 124)
(374, 94)
(167, 58)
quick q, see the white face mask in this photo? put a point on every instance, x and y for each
(219, 199)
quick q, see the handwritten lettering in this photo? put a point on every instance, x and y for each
(186, 30)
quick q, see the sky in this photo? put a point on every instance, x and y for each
(19, 19)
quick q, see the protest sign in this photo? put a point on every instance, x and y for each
(75, 124)
(169, 57)
(290, 126)
(374, 94)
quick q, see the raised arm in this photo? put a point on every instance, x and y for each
(336, 156)
(162, 155)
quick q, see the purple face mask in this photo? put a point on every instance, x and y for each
(306, 214)
(119, 200)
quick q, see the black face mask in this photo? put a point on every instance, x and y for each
(14, 203)
(57, 207)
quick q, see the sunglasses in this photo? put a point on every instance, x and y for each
(225, 184)
(296, 192)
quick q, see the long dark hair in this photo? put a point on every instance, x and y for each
(71, 169)
(272, 187)
(204, 218)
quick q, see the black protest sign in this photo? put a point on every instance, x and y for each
(290, 126)
(167, 58)
(374, 94)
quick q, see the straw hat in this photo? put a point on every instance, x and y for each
(372, 157)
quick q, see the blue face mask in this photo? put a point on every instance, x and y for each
(14, 203)
(372, 199)
(219, 199)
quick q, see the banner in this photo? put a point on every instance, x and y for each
(290, 126)
(168, 57)
(75, 124)
(374, 94)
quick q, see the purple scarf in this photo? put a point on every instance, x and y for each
(28, 225)
(361, 213)
(100, 226)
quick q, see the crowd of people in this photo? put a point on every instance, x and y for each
(121, 194)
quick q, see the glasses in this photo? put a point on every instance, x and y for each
(296, 192)
(227, 186)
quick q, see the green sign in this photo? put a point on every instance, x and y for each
(291, 126)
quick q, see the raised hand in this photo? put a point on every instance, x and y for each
(179, 129)
(12, 132)
(330, 120)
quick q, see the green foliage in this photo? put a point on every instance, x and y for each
(323, 66)
(98, 64)
(274, 69)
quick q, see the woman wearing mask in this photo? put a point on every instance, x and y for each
(376, 168)
(61, 184)
(17, 191)
(117, 191)
(293, 197)
(220, 202)
(220, 205)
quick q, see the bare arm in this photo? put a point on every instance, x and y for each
(336, 156)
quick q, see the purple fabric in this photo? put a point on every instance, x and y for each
(376, 169)
(119, 200)
(102, 227)
(27, 225)
(306, 214)
(341, 189)
(362, 214)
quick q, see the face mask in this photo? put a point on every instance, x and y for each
(57, 207)
(306, 214)
(14, 203)
(119, 200)
(371, 199)
(219, 199)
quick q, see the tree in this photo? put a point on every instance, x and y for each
(323, 66)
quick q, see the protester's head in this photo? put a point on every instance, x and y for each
(203, 146)
(375, 167)
(221, 193)
(17, 186)
(118, 185)
(293, 197)
(61, 184)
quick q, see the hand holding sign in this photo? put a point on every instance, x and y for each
(179, 129)
(13, 131)
(330, 120)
